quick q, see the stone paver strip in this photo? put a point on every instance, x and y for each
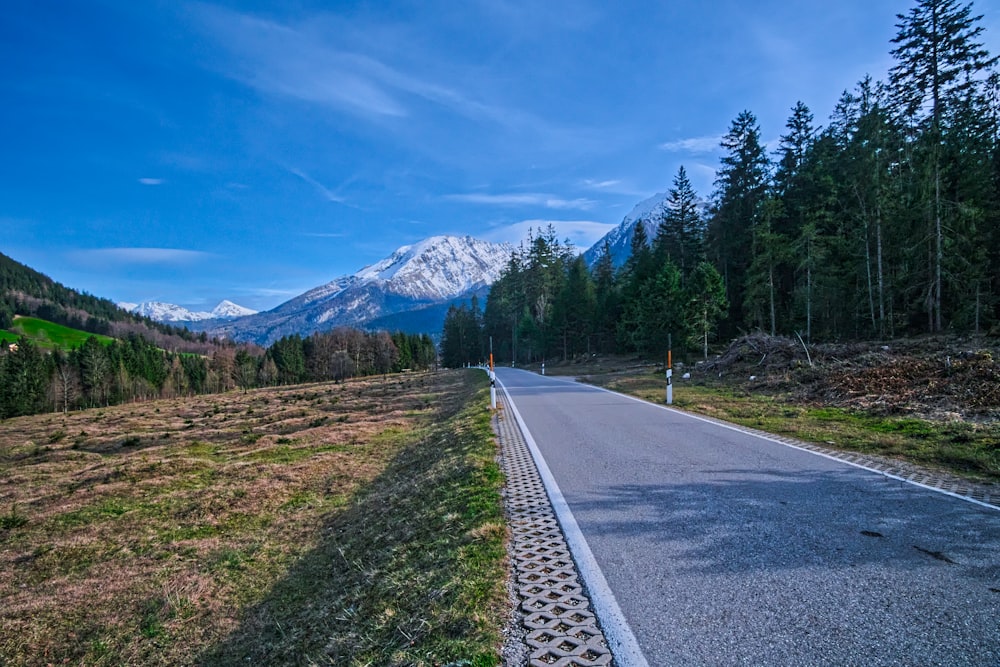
(559, 623)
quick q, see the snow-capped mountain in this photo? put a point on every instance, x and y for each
(648, 211)
(434, 272)
(228, 310)
(170, 313)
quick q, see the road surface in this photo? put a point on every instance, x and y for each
(721, 547)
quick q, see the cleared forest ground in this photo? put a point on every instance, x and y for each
(351, 524)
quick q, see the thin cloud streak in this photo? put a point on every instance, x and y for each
(526, 199)
(693, 145)
(327, 193)
(152, 181)
(294, 62)
(144, 256)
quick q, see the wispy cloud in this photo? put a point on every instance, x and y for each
(152, 181)
(327, 193)
(601, 185)
(581, 233)
(147, 256)
(525, 199)
(693, 145)
(309, 62)
(271, 291)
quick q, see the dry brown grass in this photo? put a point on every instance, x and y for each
(144, 532)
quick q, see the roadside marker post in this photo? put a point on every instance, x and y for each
(493, 380)
(670, 370)
(493, 385)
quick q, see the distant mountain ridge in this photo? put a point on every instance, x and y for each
(421, 279)
(172, 313)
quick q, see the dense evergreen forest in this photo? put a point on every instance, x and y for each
(883, 223)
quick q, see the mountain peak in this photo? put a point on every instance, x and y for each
(227, 308)
(424, 275)
(648, 212)
(171, 312)
(438, 267)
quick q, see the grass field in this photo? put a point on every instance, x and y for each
(354, 524)
(967, 448)
(47, 334)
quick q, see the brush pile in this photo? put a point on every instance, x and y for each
(935, 376)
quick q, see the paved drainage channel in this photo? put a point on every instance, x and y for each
(559, 625)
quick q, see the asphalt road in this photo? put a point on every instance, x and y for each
(724, 548)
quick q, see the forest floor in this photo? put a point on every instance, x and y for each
(933, 401)
(351, 524)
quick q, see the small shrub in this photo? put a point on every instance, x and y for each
(57, 436)
(13, 519)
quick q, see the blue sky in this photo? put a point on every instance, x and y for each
(190, 152)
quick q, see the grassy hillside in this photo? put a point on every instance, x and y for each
(48, 335)
(26, 292)
(348, 524)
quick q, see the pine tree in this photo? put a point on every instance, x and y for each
(706, 304)
(741, 187)
(679, 236)
(939, 61)
(607, 300)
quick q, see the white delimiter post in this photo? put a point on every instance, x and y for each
(493, 386)
(670, 373)
(493, 380)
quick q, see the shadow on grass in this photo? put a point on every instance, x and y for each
(410, 573)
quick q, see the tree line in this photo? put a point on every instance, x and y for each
(883, 223)
(135, 369)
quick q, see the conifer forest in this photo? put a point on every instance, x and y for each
(882, 223)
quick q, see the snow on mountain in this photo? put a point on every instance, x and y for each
(431, 272)
(439, 267)
(169, 312)
(649, 211)
(227, 309)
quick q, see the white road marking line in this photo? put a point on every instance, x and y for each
(620, 638)
(739, 429)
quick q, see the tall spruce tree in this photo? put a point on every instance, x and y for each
(741, 188)
(607, 298)
(680, 235)
(940, 60)
(706, 304)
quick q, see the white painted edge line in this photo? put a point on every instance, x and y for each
(738, 429)
(621, 641)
